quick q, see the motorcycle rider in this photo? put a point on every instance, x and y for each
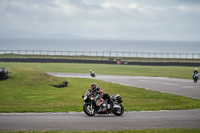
(195, 71)
(92, 73)
(195, 74)
(98, 90)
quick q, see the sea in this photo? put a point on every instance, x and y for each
(137, 46)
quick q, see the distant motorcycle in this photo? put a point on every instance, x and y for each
(92, 74)
(195, 77)
(97, 105)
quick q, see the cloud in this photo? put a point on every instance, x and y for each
(103, 18)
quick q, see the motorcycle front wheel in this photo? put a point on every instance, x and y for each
(89, 110)
(119, 112)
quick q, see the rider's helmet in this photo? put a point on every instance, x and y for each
(94, 86)
(196, 69)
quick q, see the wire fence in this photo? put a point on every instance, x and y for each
(5, 53)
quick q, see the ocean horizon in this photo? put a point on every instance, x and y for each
(101, 45)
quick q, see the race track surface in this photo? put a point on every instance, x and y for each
(183, 87)
(81, 122)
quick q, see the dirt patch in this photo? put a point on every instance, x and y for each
(63, 84)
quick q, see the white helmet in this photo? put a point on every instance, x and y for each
(196, 69)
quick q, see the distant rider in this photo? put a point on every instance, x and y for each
(98, 90)
(92, 73)
(195, 73)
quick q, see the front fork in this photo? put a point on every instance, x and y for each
(91, 107)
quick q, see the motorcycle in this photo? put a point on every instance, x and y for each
(195, 77)
(98, 105)
(92, 74)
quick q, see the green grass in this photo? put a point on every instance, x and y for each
(131, 70)
(119, 131)
(28, 90)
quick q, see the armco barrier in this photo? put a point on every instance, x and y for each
(102, 54)
(49, 60)
(165, 63)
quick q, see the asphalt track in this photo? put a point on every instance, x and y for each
(81, 122)
(74, 121)
(183, 87)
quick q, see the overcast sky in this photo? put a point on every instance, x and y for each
(101, 19)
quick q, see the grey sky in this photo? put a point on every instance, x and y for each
(101, 19)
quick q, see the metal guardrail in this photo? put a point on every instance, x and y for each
(102, 54)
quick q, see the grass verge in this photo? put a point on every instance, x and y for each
(130, 70)
(28, 90)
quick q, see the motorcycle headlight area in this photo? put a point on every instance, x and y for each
(85, 97)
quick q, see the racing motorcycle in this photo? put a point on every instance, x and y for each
(98, 105)
(92, 74)
(195, 77)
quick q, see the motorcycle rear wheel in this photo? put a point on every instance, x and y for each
(88, 110)
(119, 112)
